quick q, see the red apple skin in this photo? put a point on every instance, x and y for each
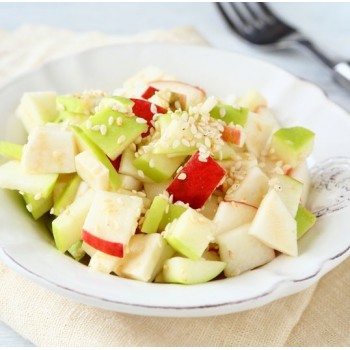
(201, 180)
(111, 248)
(149, 92)
(142, 109)
(116, 162)
(232, 135)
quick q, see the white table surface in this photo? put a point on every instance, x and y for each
(326, 24)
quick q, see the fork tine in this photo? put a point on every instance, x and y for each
(223, 9)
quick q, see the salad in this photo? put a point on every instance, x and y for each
(158, 182)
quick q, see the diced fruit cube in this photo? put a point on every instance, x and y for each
(154, 215)
(11, 150)
(274, 225)
(187, 271)
(231, 215)
(67, 227)
(305, 220)
(172, 212)
(145, 257)
(14, 177)
(37, 108)
(67, 196)
(289, 190)
(37, 206)
(92, 171)
(190, 234)
(251, 190)
(158, 167)
(104, 263)
(192, 184)
(75, 104)
(85, 144)
(292, 145)
(113, 131)
(241, 251)
(130, 183)
(111, 221)
(230, 114)
(50, 149)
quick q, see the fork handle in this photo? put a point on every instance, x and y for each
(341, 70)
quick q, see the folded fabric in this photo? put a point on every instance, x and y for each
(317, 316)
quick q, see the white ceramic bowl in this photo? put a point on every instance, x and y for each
(27, 247)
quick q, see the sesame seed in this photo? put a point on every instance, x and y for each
(182, 176)
(110, 120)
(52, 210)
(121, 139)
(96, 127)
(179, 169)
(119, 121)
(186, 143)
(222, 112)
(153, 108)
(176, 144)
(133, 147)
(193, 129)
(167, 209)
(37, 196)
(29, 207)
(277, 187)
(207, 142)
(141, 121)
(140, 173)
(202, 159)
(88, 124)
(151, 163)
(103, 129)
(21, 192)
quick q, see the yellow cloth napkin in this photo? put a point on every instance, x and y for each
(318, 316)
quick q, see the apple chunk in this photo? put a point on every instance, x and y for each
(241, 251)
(274, 225)
(233, 214)
(190, 234)
(111, 221)
(292, 145)
(305, 220)
(145, 257)
(196, 181)
(194, 95)
(186, 271)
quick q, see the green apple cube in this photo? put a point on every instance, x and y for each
(92, 171)
(113, 131)
(73, 104)
(117, 103)
(67, 227)
(60, 185)
(305, 220)
(50, 149)
(230, 114)
(71, 118)
(292, 145)
(85, 143)
(289, 190)
(190, 234)
(145, 257)
(154, 215)
(37, 206)
(11, 150)
(37, 108)
(67, 196)
(241, 251)
(158, 167)
(186, 271)
(127, 166)
(76, 250)
(274, 225)
(227, 152)
(14, 177)
(173, 212)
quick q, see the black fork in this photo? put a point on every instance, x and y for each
(257, 24)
